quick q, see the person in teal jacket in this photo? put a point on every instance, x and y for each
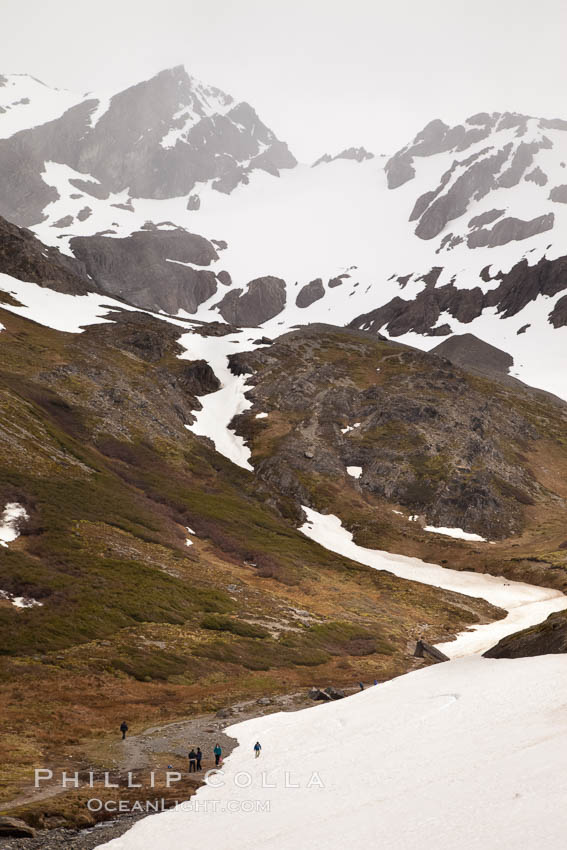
(218, 753)
(257, 748)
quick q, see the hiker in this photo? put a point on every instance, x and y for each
(361, 686)
(123, 729)
(218, 752)
(192, 761)
(199, 755)
(257, 748)
(375, 681)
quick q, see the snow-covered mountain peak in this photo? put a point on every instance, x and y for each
(27, 102)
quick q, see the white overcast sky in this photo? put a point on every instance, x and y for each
(323, 74)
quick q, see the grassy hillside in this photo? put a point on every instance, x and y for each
(133, 622)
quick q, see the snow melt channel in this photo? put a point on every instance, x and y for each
(220, 407)
(526, 604)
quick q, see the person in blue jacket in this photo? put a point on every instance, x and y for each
(257, 749)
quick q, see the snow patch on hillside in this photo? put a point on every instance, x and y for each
(12, 517)
(57, 310)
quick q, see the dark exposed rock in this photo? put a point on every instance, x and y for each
(318, 695)
(559, 194)
(215, 329)
(436, 137)
(510, 230)
(553, 124)
(426, 650)
(485, 218)
(24, 257)
(337, 281)
(537, 176)
(469, 352)
(476, 181)
(434, 442)
(310, 293)
(482, 118)
(357, 154)
(199, 379)
(264, 298)
(66, 221)
(547, 638)
(83, 214)
(15, 828)
(224, 278)
(522, 160)
(138, 268)
(523, 329)
(193, 202)
(90, 187)
(509, 120)
(517, 288)
(558, 316)
(144, 336)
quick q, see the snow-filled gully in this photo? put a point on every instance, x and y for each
(220, 407)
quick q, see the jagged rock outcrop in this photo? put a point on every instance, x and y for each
(517, 288)
(356, 154)
(510, 230)
(263, 299)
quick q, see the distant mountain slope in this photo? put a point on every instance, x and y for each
(156, 139)
(458, 232)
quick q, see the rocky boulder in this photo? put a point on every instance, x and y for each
(310, 293)
(263, 299)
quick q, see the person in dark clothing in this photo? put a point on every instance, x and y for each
(257, 749)
(123, 729)
(218, 753)
(199, 755)
(361, 686)
(192, 761)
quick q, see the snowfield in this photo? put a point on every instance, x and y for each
(462, 755)
(466, 754)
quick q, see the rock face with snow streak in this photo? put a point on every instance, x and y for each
(136, 267)
(157, 139)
